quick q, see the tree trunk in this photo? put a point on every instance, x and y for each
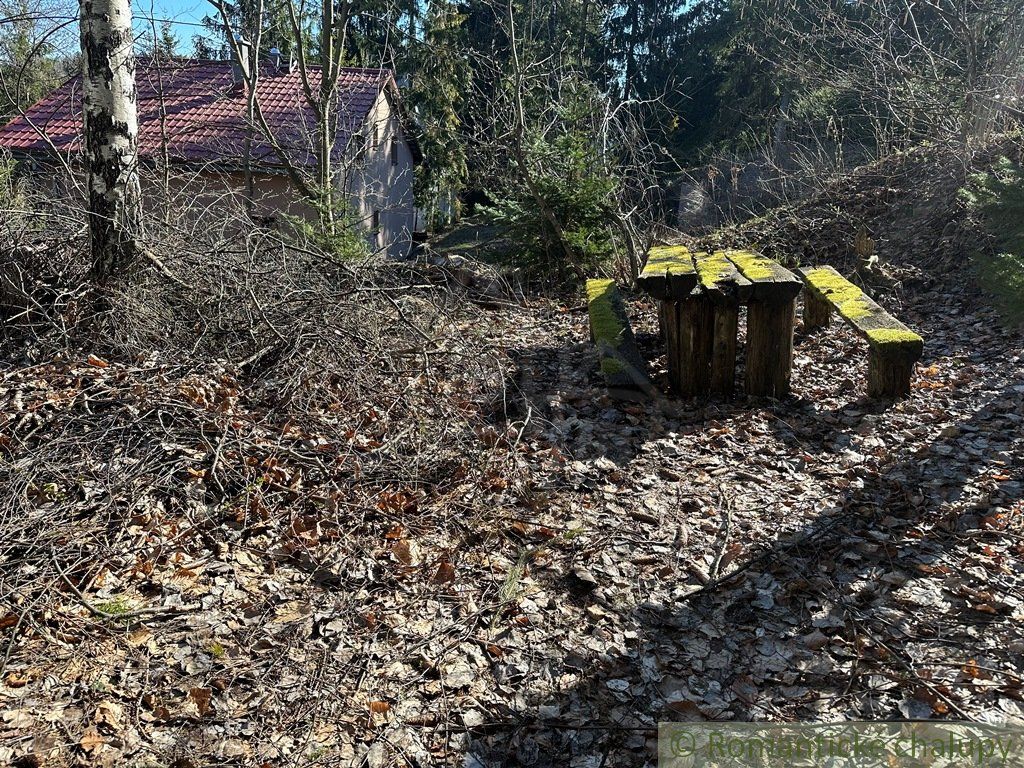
(111, 130)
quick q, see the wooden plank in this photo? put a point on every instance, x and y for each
(769, 280)
(668, 273)
(894, 348)
(725, 288)
(723, 352)
(881, 329)
(623, 368)
(720, 279)
(672, 349)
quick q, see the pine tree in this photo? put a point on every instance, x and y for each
(160, 43)
(438, 82)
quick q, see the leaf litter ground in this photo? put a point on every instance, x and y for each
(500, 566)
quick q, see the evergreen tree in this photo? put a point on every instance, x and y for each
(28, 66)
(274, 25)
(436, 90)
(160, 43)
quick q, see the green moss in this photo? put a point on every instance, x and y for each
(847, 297)
(668, 258)
(712, 267)
(754, 266)
(604, 322)
(893, 336)
(610, 366)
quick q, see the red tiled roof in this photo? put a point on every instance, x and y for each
(205, 113)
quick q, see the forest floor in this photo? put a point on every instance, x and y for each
(588, 569)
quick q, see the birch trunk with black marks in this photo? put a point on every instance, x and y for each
(111, 131)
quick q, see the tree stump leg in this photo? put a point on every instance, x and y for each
(817, 311)
(888, 375)
(696, 337)
(770, 347)
(723, 354)
(664, 307)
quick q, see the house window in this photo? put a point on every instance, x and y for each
(394, 150)
(375, 221)
(376, 136)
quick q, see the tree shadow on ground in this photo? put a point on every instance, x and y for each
(897, 600)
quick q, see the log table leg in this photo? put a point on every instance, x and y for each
(723, 354)
(889, 372)
(770, 346)
(817, 311)
(695, 330)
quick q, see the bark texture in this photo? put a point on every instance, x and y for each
(111, 128)
(770, 347)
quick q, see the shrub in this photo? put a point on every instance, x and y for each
(348, 241)
(571, 170)
(998, 196)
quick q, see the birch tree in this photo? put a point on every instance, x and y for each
(111, 131)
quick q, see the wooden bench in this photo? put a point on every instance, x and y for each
(621, 364)
(893, 349)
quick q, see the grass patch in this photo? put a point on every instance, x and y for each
(117, 606)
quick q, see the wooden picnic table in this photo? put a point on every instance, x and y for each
(700, 295)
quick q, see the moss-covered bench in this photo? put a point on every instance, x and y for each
(893, 349)
(621, 364)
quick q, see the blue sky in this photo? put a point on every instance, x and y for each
(184, 13)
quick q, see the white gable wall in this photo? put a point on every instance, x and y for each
(379, 189)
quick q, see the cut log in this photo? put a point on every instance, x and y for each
(723, 351)
(623, 369)
(770, 316)
(770, 347)
(672, 318)
(893, 348)
(695, 334)
(720, 279)
(769, 280)
(817, 312)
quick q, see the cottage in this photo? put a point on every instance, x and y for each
(192, 118)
